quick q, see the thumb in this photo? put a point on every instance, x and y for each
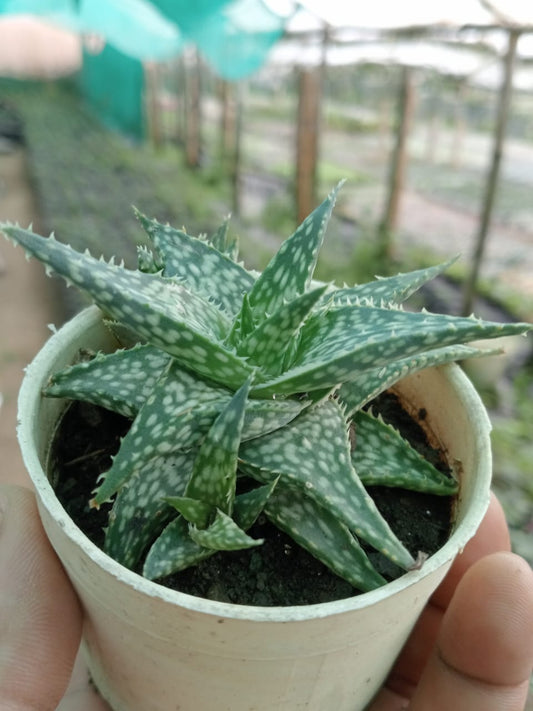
(484, 653)
(40, 618)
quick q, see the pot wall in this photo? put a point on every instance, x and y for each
(153, 649)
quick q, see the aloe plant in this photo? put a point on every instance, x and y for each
(235, 376)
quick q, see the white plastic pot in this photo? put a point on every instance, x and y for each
(153, 649)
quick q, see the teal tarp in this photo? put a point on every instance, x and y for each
(235, 39)
(112, 84)
(233, 35)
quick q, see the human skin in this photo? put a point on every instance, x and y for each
(472, 649)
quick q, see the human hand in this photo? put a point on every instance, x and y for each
(40, 617)
(472, 649)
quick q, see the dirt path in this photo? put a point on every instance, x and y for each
(26, 307)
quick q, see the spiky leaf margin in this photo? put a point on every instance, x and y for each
(381, 457)
(290, 271)
(161, 310)
(312, 454)
(219, 276)
(338, 344)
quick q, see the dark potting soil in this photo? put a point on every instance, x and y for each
(279, 572)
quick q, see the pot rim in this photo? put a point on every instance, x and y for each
(29, 405)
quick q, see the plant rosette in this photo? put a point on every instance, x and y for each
(238, 375)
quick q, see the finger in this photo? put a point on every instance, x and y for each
(484, 652)
(40, 618)
(81, 695)
(491, 537)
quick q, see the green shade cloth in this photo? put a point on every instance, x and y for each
(113, 84)
(234, 36)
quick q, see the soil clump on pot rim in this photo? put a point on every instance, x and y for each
(277, 573)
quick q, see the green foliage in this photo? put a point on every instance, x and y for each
(245, 393)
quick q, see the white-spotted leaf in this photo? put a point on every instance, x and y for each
(214, 474)
(173, 550)
(223, 535)
(337, 344)
(312, 453)
(161, 310)
(381, 457)
(367, 385)
(289, 273)
(121, 381)
(201, 265)
(249, 505)
(140, 511)
(322, 534)
(223, 243)
(268, 344)
(176, 414)
(389, 290)
(192, 510)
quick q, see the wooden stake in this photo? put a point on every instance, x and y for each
(504, 102)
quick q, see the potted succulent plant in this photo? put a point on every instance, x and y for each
(246, 397)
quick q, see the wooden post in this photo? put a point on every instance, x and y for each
(180, 83)
(235, 168)
(504, 101)
(307, 141)
(227, 120)
(193, 116)
(459, 126)
(230, 96)
(397, 166)
(308, 133)
(151, 79)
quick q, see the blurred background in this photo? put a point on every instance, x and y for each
(257, 108)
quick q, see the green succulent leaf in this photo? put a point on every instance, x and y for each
(214, 475)
(367, 385)
(177, 414)
(389, 290)
(321, 533)
(147, 261)
(243, 324)
(264, 416)
(219, 277)
(194, 511)
(337, 344)
(222, 242)
(173, 417)
(312, 454)
(223, 535)
(382, 457)
(248, 506)
(173, 550)
(268, 344)
(160, 310)
(140, 511)
(290, 271)
(119, 381)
